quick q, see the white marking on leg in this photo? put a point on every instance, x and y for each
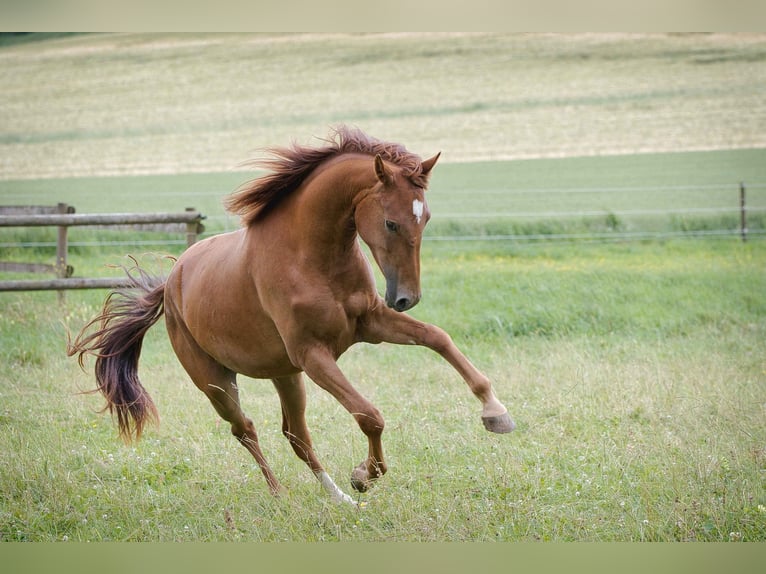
(417, 209)
(329, 485)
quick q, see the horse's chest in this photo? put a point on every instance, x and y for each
(338, 325)
(356, 305)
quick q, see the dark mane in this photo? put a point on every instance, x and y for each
(290, 167)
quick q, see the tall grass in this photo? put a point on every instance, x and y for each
(635, 374)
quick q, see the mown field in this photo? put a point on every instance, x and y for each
(111, 104)
(635, 369)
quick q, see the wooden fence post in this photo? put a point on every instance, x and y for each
(62, 246)
(192, 230)
(742, 212)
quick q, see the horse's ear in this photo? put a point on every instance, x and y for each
(384, 175)
(429, 164)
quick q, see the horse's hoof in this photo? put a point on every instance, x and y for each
(360, 480)
(499, 424)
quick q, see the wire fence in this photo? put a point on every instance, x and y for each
(624, 209)
(604, 237)
(627, 213)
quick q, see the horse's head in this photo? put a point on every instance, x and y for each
(391, 220)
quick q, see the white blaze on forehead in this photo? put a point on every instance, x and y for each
(417, 209)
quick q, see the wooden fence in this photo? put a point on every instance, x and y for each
(63, 217)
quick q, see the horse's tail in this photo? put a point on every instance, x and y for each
(120, 328)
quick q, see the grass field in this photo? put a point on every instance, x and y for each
(636, 374)
(635, 370)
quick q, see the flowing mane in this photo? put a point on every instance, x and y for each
(290, 167)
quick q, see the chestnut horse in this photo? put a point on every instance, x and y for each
(287, 294)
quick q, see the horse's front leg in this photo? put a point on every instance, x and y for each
(321, 367)
(386, 325)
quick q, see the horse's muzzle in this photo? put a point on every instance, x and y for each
(399, 299)
(401, 302)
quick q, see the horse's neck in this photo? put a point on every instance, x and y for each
(321, 212)
(327, 200)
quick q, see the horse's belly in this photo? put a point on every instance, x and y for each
(251, 354)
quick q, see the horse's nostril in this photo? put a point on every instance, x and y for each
(402, 304)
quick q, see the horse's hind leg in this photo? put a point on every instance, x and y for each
(224, 396)
(292, 395)
(219, 385)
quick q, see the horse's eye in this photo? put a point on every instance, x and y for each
(391, 226)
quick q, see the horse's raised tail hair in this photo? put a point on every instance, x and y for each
(116, 343)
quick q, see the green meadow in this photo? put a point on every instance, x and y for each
(631, 357)
(635, 372)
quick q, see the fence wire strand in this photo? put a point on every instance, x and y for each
(230, 223)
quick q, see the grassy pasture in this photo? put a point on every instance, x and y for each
(636, 371)
(636, 374)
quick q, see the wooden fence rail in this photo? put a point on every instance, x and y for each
(74, 219)
(64, 217)
(64, 284)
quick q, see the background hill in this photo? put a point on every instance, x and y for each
(144, 103)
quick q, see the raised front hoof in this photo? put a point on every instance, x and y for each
(500, 424)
